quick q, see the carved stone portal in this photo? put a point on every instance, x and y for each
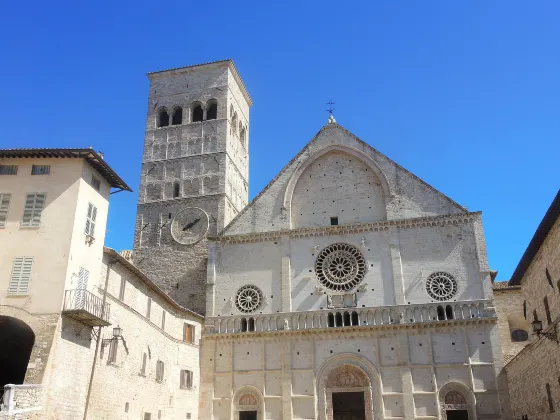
(348, 378)
(248, 399)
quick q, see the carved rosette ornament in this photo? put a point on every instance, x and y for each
(248, 299)
(340, 267)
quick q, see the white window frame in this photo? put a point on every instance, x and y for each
(5, 199)
(21, 276)
(91, 217)
(32, 214)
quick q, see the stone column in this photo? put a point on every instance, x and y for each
(286, 274)
(398, 279)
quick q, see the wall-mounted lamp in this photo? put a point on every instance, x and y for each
(538, 330)
(117, 334)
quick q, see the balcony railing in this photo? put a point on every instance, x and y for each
(86, 308)
(19, 399)
(351, 317)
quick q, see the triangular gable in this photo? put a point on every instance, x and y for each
(407, 195)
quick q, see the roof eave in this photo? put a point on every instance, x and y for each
(545, 226)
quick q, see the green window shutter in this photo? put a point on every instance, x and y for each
(4, 206)
(21, 276)
(90, 219)
(34, 204)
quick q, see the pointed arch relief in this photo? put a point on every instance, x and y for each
(248, 398)
(348, 373)
(455, 396)
(337, 183)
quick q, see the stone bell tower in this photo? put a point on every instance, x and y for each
(194, 176)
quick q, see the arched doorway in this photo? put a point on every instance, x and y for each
(456, 402)
(17, 340)
(248, 404)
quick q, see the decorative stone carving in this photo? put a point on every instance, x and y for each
(248, 299)
(347, 376)
(441, 286)
(340, 267)
(454, 397)
(248, 399)
(347, 300)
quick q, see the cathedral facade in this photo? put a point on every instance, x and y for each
(347, 289)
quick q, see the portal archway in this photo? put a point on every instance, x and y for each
(348, 385)
(248, 404)
(457, 402)
(17, 340)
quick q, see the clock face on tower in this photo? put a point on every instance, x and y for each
(189, 225)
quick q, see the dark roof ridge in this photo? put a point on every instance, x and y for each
(538, 239)
(94, 158)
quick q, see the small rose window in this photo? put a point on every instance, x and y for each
(441, 286)
(248, 299)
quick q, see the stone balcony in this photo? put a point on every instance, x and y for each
(384, 316)
(85, 307)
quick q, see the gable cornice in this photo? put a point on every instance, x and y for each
(306, 148)
(433, 221)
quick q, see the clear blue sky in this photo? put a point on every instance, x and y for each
(466, 95)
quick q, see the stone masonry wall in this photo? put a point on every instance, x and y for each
(509, 308)
(406, 369)
(119, 382)
(43, 327)
(539, 363)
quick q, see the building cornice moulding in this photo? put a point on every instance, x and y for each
(350, 331)
(432, 221)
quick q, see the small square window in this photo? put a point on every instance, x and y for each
(40, 170)
(95, 183)
(8, 169)
(334, 221)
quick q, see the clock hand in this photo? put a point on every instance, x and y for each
(191, 224)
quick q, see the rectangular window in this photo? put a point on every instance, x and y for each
(34, 204)
(90, 220)
(113, 351)
(186, 379)
(8, 169)
(159, 371)
(40, 170)
(121, 290)
(188, 334)
(525, 309)
(547, 310)
(550, 402)
(4, 206)
(163, 320)
(143, 369)
(334, 221)
(149, 308)
(21, 276)
(147, 416)
(95, 183)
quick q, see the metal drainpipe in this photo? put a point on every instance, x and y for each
(109, 265)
